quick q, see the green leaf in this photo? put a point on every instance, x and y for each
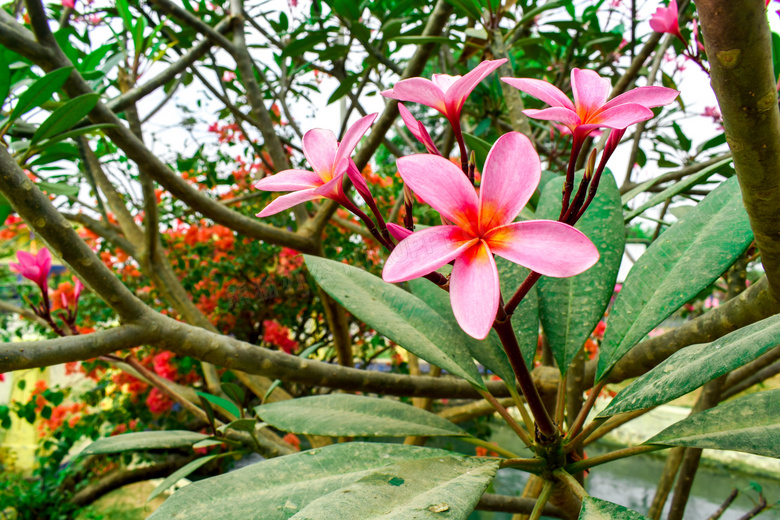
(750, 424)
(397, 314)
(420, 40)
(349, 9)
(223, 403)
(157, 440)
(428, 489)
(299, 46)
(66, 116)
(124, 12)
(73, 133)
(694, 366)
(244, 425)
(234, 392)
(5, 80)
(345, 415)
(595, 509)
(480, 147)
(525, 319)
(40, 91)
(343, 88)
(487, 351)
(58, 188)
(5, 209)
(677, 188)
(681, 263)
(469, 7)
(181, 473)
(283, 486)
(570, 308)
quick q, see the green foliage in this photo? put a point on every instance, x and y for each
(685, 260)
(344, 415)
(143, 441)
(596, 509)
(750, 424)
(570, 308)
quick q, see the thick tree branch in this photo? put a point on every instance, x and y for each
(517, 505)
(738, 42)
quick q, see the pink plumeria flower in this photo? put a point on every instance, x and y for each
(665, 20)
(591, 109)
(228, 76)
(445, 93)
(34, 268)
(483, 225)
(417, 129)
(329, 159)
(71, 4)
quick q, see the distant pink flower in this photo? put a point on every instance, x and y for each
(329, 159)
(665, 20)
(483, 225)
(34, 268)
(445, 93)
(71, 4)
(71, 300)
(228, 76)
(591, 109)
(695, 34)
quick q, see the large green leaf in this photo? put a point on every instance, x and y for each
(40, 91)
(570, 308)
(66, 116)
(677, 188)
(345, 415)
(144, 441)
(487, 351)
(277, 489)
(595, 509)
(525, 319)
(694, 366)
(428, 489)
(750, 424)
(681, 263)
(397, 314)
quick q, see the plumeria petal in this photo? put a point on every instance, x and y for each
(620, 116)
(44, 260)
(474, 290)
(358, 180)
(351, 138)
(545, 246)
(289, 180)
(417, 129)
(418, 90)
(425, 251)
(288, 201)
(542, 90)
(649, 97)
(444, 81)
(442, 185)
(560, 115)
(512, 173)
(398, 232)
(590, 90)
(455, 96)
(320, 147)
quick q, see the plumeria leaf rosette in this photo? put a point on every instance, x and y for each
(482, 224)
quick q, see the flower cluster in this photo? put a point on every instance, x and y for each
(478, 222)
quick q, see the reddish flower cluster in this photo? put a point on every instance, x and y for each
(70, 413)
(293, 440)
(11, 228)
(158, 402)
(279, 335)
(163, 366)
(230, 133)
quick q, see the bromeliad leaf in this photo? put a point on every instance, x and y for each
(354, 416)
(570, 308)
(686, 259)
(595, 509)
(144, 441)
(750, 424)
(428, 489)
(693, 366)
(397, 314)
(487, 351)
(283, 486)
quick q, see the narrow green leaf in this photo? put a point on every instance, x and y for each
(346, 415)
(691, 367)
(750, 424)
(420, 40)
(244, 425)
(397, 314)
(234, 392)
(5, 80)
(487, 351)
(677, 188)
(428, 489)
(595, 509)
(73, 133)
(66, 116)
(469, 7)
(40, 91)
(181, 473)
(226, 405)
(480, 147)
(157, 440)
(281, 487)
(570, 308)
(629, 195)
(344, 87)
(124, 12)
(58, 188)
(684, 260)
